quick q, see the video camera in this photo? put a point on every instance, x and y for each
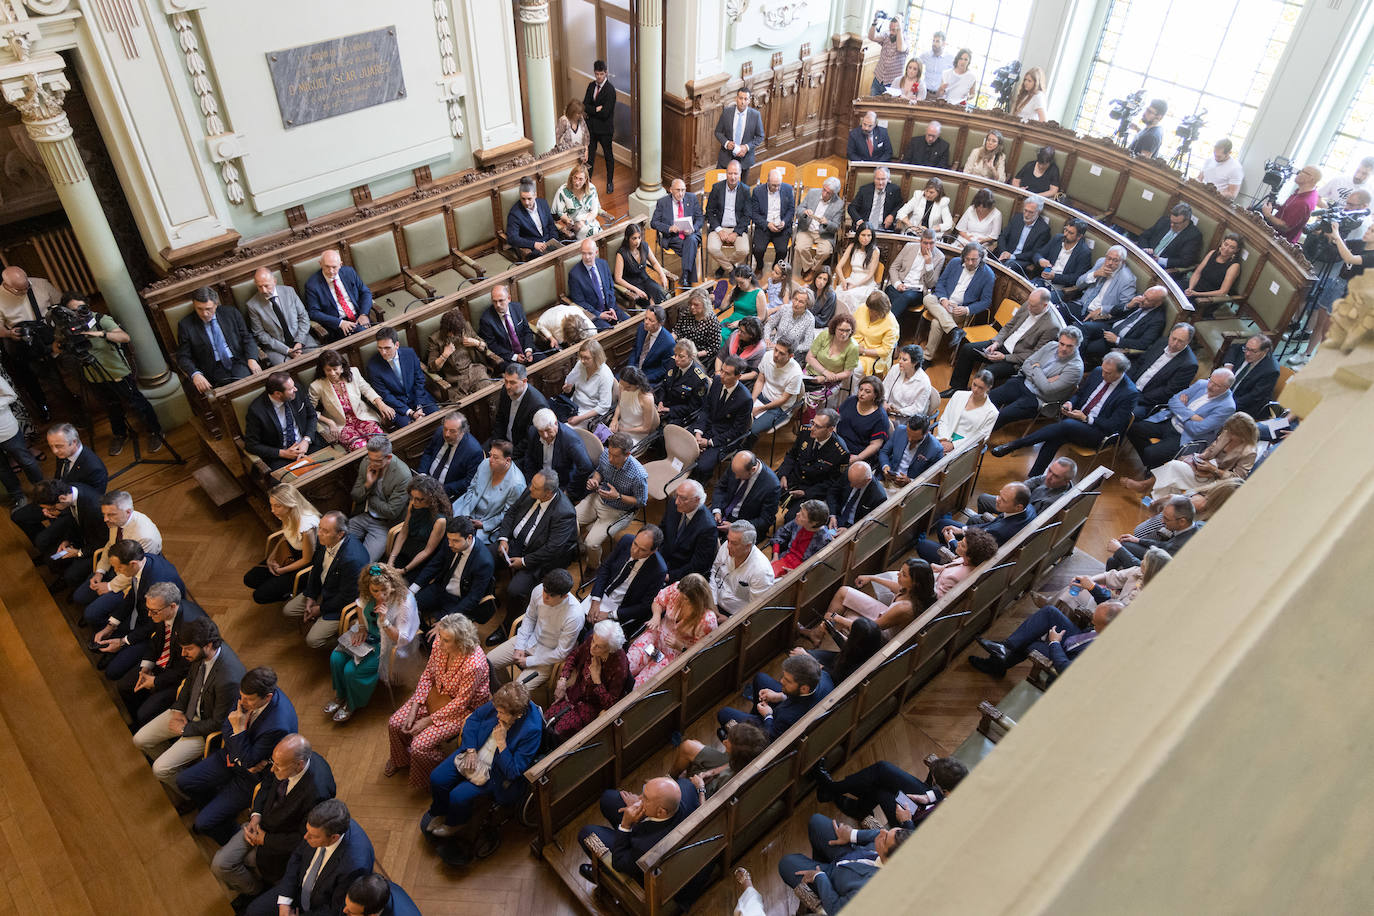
(1125, 109)
(1190, 128)
(1277, 171)
(1317, 247)
(880, 16)
(1004, 81)
(67, 326)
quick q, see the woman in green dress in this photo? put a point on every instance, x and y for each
(374, 635)
(745, 300)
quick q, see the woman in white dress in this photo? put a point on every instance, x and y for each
(982, 221)
(969, 414)
(989, 160)
(861, 260)
(907, 389)
(274, 579)
(635, 413)
(959, 82)
(1031, 100)
(590, 384)
(1231, 454)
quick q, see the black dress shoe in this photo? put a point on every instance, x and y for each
(610, 187)
(851, 807)
(117, 445)
(497, 636)
(948, 393)
(825, 783)
(956, 339)
(456, 854)
(994, 648)
(587, 872)
(1001, 451)
(987, 665)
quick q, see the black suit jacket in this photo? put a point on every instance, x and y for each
(493, 331)
(283, 816)
(85, 528)
(647, 583)
(570, 459)
(724, 422)
(759, 508)
(1146, 331)
(918, 152)
(1183, 252)
(689, 549)
(177, 665)
(524, 420)
(874, 495)
(195, 352)
(552, 543)
(262, 436)
(474, 584)
(600, 123)
(353, 859)
(1177, 374)
(856, 149)
(1080, 259)
(1116, 412)
(219, 695)
(1035, 240)
(629, 845)
(1257, 388)
(715, 207)
(463, 466)
(339, 586)
(133, 613)
(87, 469)
(863, 202)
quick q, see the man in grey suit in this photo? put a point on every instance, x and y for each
(278, 321)
(818, 219)
(1105, 289)
(739, 133)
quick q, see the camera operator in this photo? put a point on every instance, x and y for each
(1223, 171)
(106, 370)
(891, 54)
(1289, 220)
(1337, 191)
(1356, 254)
(1151, 137)
(25, 300)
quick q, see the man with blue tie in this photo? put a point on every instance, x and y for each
(213, 347)
(590, 286)
(653, 349)
(530, 227)
(739, 131)
(771, 209)
(1195, 414)
(396, 374)
(672, 217)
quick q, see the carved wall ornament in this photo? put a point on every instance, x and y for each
(1352, 318)
(734, 9)
(224, 145)
(452, 86)
(39, 97)
(48, 7)
(774, 23)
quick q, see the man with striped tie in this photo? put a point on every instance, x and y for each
(149, 689)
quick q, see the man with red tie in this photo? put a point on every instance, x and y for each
(337, 298)
(672, 216)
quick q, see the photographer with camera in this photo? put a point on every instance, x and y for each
(1347, 239)
(1151, 136)
(1289, 220)
(1223, 171)
(891, 52)
(24, 304)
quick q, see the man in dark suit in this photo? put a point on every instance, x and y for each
(1140, 325)
(903, 458)
(727, 220)
(374, 895)
(75, 464)
(772, 208)
(281, 422)
(928, 149)
(122, 641)
(869, 142)
(214, 347)
(337, 298)
(1047, 631)
(73, 511)
(675, 206)
(538, 534)
(739, 133)
(876, 203)
(724, 416)
(456, 578)
(1101, 407)
(1179, 517)
(1173, 241)
(1022, 238)
(815, 459)
(316, 880)
(1012, 511)
(515, 409)
(689, 532)
(1045, 490)
(599, 106)
(1164, 370)
(396, 374)
(779, 704)
(842, 860)
(257, 855)
(452, 456)
(222, 784)
(653, 349)
(748, 491)
(643, 820)
(504, 330)
(332, 582)
(150, 688)
(1256, 374)
(628, 580)
(530, 227)
(556, 445)
(1065, 257)
(590, 286)
(854, 495)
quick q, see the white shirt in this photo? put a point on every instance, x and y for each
(964, 421)
(987, 227)
(591, 393)
(958, 85)
(775, 205)
(1195, 407)
(454, 587)
(1010, 343)
(777, 382)
(1102, 401)
(727, 217)
(907, 395)
(1222, 175)
(1154, 368)
(14, 309)
(548, 632)
(736, 586)
(292, 781)
(138, 528)
(537, 511)
(1337, 189)
(534, 217)
(1034, 103)
(965, 278)
(913, 276)
(1063, 259)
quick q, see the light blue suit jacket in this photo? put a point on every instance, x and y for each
(1213, 414)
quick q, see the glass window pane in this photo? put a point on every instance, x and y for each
(618, 51)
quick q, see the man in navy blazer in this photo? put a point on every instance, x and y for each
(452, 456)
(530, 227)
(861, 207)
(657, 356)
(1256, 374)
(678, 204)
(840, 865)
(504, 330)
(337, 298)
(281, 422)
(397, 376)
(948, 306)
(374, 895)
(516, 406)
(326, 594)
(779, 704)
(456, 577)
(869, 142)
(74, 463)
(903, 458)
(748, 491)
(312, 889)
(723, 418)
(1065, 257)
(1022, 238)
(628, 580)
(1101, 407)
(213, 345)
(128, 626)
(1164, 370)
(556, 445)
(689, 532)
(739, 131)
(1137, 328)
(221, 785)
(772, 207)
(590, 286)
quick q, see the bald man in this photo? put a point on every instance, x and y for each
(772, 207)
(640, 822)
(24, 298)
(337, 298)
(278, 320)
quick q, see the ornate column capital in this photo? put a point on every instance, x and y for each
(534, 12)
(38, 89)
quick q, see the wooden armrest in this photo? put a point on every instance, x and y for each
(318, 330)
(1042, 673)
(469, 263)
(212, 741)
(438, 381)
(347, 615)
(296, 583)
(430, 291)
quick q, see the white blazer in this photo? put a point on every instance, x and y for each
(941, 220)
(360, 393)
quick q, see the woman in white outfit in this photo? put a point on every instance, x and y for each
(590, 384)
(861, 259)
(969, 414)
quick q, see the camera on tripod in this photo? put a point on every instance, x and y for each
(1317, 247)
(1004, 81)
(1276, 172)
(1125, 109)
(1190, 128)
(67, 326)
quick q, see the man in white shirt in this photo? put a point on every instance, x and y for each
(776, 389)
(727, 220)
(25, 298)
(1337, 191)
(772, 207)
(936, 62)
(741, 573)
(1223, 171)
(547, 634)
(117, 508)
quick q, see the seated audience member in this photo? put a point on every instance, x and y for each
(175, 738)
(280, 423)
(833, 357)
(683, 387)
(76, 532)
(637, 822)
(75, 464)
(555, 445)
(779, 704)
(875, 205)
(617, 487)
(221, 785)
(278, 320)
(1165, 369)
(747, 343)
(500, 741)
(455, 682)
(348, 410)
(1045, 489)
(1178, 524)
(869, 141)
(458, 355)
(690, 538)
(861, 640)
(1231, 454)
(653, 348)
(723, 419)
(853, 496)
(331, 585)
(588, 390)
(709, 768)
(380, 493)
(256, 856)
(629, 578)
(274, 579)
(1048, 377)
(928, 209)
(819, 219)
(504, 330)
(1206, 499)
(906, 457)
(636, 415)
(915, 271)
(1100, 408)
(561, 325)
(334, 853)
(1193, 415)
(1040, 175)
(214, 347)
(794, 322)
(927, 149)
(778, 388)
(864, 425)
(122, 640)
(1223, 171)
(149, 689)
(123, 522)
(681, 614)
(537, 536)
(530, 227)
(1173, 241)
(398, 377)
(1210, 285)
(802, 537)
(495, 487)
(823, 293)
(968, 414)
(842, 861)
(516, 406)
(1034, 325)
(385, 623)
(374, 895)
(964, 290)
(452, 456)
(727, 221)
(974, 549)
(747, 491)
(677, 219)
(1085, 593)
(576, 205)
(772, 209)
(815, 459)
(740, 573)
(636, 266)
(1256, 374)
(1065, 257)
(1013, 512)
(592, 680)
(909, 592)
(905, 800)
(457, 577)
(1104, 290)
(337, 299)
(553, 618)
(1047, 631)
(981, 223)
(1022, 238)
(591, 287)
(857, 273)
(876, 333)
(989, 159)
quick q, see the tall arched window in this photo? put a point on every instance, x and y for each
(1354, 138)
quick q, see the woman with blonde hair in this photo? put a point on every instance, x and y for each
(274, 578)
(364, 654)
(1085, 593)
(989, 160)
(589, 384)
(911, 84)
(1231, 454)
(563, 325)
(875, 331)
(422, 529)
(457, 354)
(1031, 98)
(682, 614)
(576, 205)
(572, 129)
(350, 411)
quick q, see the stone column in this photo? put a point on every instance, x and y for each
(534, 21)
(650, 95)
(37, 87)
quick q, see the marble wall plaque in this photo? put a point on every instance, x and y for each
(334, 77)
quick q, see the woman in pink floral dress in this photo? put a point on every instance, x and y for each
(350, 410)
(682, 613)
